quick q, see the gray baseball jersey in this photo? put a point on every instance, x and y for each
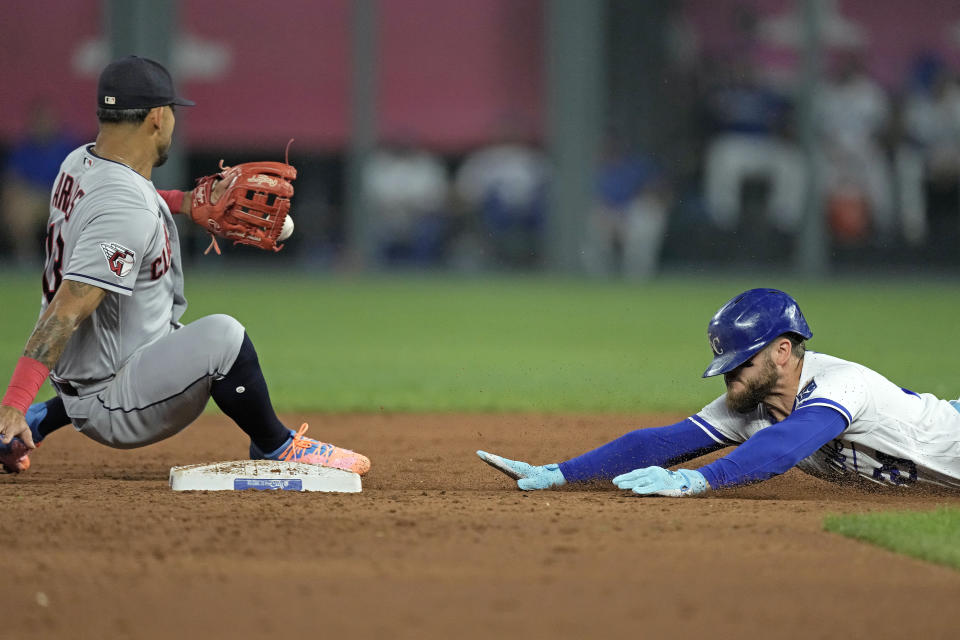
(129, 375)
(110, 228)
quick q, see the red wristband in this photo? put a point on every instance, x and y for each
(28, 377)
(173, 198)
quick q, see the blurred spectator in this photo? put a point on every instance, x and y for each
(626, 228)
(30, 171)
(503, 188)
(928, 162)
(750, 120)
(852, 114)
(407, 189)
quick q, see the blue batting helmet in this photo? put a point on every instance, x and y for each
(748, 323)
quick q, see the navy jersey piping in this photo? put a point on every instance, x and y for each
(179, 393)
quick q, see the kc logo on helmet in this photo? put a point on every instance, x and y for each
(715, 345)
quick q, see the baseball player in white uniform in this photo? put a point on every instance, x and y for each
(109, 337)
(784, 407)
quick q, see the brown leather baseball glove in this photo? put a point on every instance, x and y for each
(253, 206)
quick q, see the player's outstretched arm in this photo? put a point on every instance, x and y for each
(529, 477)
(769, 452)
(653, 446)
(664, 446)
(72, 304)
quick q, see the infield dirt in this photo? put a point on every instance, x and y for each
(439, 545)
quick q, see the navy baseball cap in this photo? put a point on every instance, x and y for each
(136, 83)
(749, 322)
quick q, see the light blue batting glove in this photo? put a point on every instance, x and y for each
(657, 481)
(529, 477)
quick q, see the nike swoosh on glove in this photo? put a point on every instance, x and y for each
(657, 481)
(529, 477)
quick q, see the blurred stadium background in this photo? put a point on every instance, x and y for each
(606, 173)
(614, 138)
(529, 204)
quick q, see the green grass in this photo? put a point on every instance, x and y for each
(546, 344)
(530, 344)
(933, 536)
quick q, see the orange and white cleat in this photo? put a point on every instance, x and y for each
(300, 448)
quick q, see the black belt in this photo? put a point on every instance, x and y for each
(66, 389)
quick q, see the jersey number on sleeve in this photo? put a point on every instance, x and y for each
(53, 268)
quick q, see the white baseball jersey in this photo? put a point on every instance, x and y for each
(893, 435)
(110, 228)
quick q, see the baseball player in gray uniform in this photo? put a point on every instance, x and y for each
(109, 337)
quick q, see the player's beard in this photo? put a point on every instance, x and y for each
(162, 154)
(755, 390)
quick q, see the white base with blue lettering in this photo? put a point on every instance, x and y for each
(265, 475)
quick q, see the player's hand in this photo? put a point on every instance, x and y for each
(529, 477)
(657, 481)
(215, 195)
(219, 187)
(13, 424)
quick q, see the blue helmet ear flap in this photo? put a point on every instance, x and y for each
(747, 323)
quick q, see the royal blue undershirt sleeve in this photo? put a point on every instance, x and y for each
(659, 446)
(777, 448)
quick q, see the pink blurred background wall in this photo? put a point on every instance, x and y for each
(450, 70)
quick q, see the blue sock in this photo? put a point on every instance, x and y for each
(279, 450)
(46, 417)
